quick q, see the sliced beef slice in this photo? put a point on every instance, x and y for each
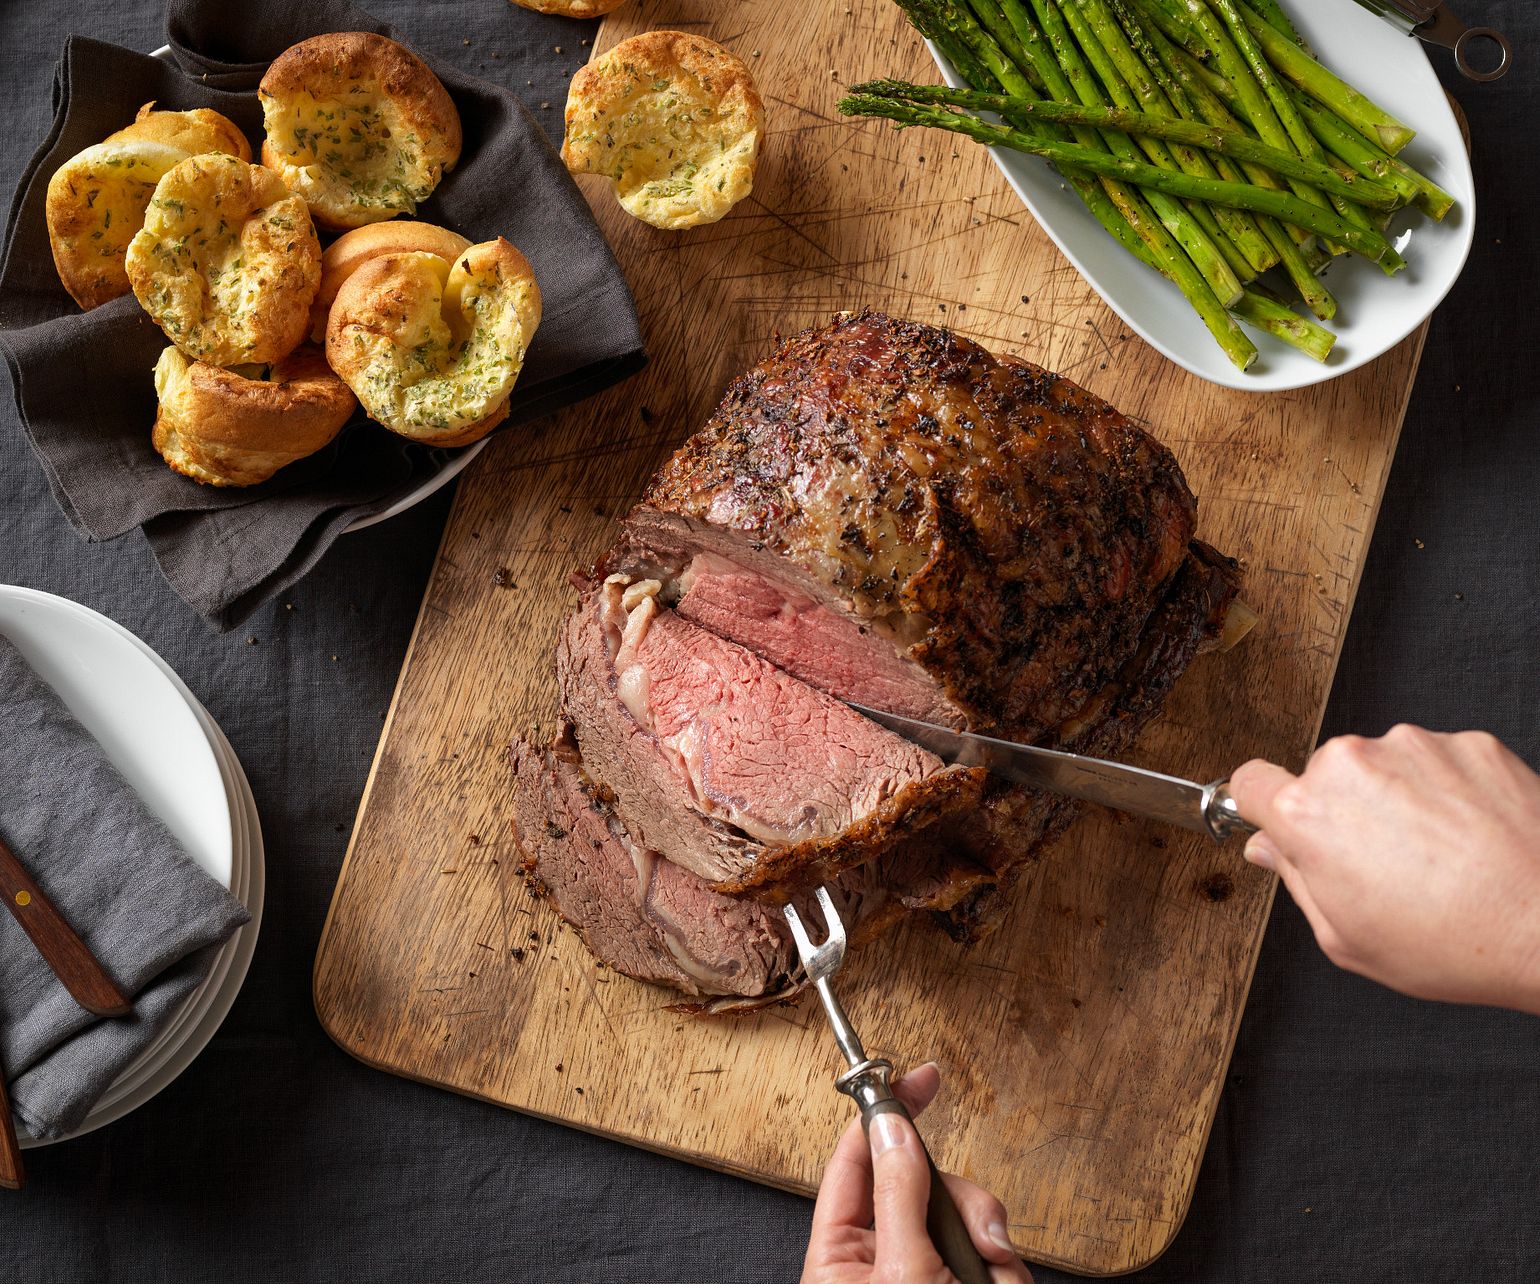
(724, 764)
(643, 915)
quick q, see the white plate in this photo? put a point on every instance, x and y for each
(130, 705)
(1376, 311)
(453, 467)
(173, 754)
(144, 1082)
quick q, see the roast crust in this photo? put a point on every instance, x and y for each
(352, 166)
(1013, 531)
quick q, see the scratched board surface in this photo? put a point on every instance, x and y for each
(1085, 1044)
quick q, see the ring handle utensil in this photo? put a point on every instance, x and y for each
(1434, 23)
(868, 1085)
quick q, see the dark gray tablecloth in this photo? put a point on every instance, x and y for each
(1363, 1136)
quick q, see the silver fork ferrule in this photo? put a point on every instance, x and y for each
(867, 1082)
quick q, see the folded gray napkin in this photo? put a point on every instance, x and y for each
(82, 380)
(152, 916)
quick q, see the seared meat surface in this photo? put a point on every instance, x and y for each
(1006, 530)
(881, 512)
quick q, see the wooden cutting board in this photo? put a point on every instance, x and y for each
(1084, 1045)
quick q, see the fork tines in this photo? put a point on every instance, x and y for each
(820, 960)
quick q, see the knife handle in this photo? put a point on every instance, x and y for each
(69, 957)
(867, 1083)
(1223, 816)
(12, 1175)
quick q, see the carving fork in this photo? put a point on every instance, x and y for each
(866, 1082)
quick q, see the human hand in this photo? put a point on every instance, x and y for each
(1416, 858)
(869, 1222)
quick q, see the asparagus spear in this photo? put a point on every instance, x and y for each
(1067, 77)
(1273, 13)
(1255, 108)
(1266, 311)
(1281, 101)
(1294, 64)
(1185, 87)
(1123, 210)
(1368, 242)
(1137, 86)
(1217, 138)
(929, 20)
(1373, 161)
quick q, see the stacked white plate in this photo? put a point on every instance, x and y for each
(175, 756)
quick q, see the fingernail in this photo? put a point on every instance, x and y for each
(999, 1236)
(1260, 852)
(888, 1132)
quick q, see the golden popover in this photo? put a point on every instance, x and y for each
(201, 130)
(227, 262)
(96, 199)
(238, 427)
(349, 251)
(433, 350)
(673, 120)
(572, 8)
(358, 126)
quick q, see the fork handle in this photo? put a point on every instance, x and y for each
(867, 1083)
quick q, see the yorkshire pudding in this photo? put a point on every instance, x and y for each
(572, 8)
(432, 350)
(673, 120)
(201, 130)
(227, 262)
(96, 199)
(358, 126)
(352, 249)
(238, 427)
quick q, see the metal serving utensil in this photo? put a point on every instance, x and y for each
(1208, 809)
(867, 1083)
(1433, 22)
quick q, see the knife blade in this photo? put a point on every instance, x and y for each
(1209, 809)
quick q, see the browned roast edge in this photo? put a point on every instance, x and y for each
(973, 648)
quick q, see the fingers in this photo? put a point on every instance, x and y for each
(845, 1194)
(984, 1215)
(1262, 851)
(1254, 785)
(919, 1087)
(900, 1192)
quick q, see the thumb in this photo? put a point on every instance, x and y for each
(900, 1192)
(1254, 785)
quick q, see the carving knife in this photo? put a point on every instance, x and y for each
(1209, 809)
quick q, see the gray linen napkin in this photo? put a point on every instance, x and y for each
(151, 915)
(82, 380)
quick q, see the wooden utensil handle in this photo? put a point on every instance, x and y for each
(12, 1176)
(944, 1224)
(63, 951)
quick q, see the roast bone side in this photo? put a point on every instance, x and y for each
(884, 512)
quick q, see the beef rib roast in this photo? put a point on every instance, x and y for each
(883, 512)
